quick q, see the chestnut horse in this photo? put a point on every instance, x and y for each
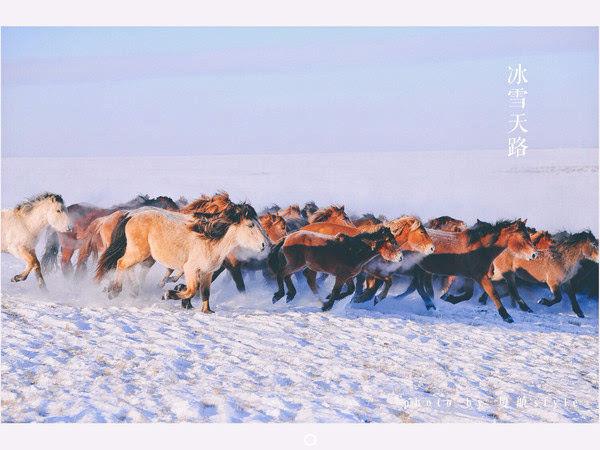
(81, 215)
(470, 254)
(342, 256)
(195, 245)
(555, 267)
(412, 256)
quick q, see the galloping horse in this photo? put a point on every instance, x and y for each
(22, 226)
(342, 256)
(195, 245)
(97, 236)
(470, 253)
(81, 216)
(555, 267)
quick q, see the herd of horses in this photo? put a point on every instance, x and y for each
(202, 238)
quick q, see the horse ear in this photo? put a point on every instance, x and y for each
(525, 222)
(479, 221)
(415, 226)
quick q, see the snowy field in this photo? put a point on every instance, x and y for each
(73, 355)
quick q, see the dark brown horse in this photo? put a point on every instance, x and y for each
(81, 216)
(342, 256)
(470, 254)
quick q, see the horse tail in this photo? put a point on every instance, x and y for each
(276, 260)
(50, 258)
(116, 249)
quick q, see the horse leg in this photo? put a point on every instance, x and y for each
(311, 279)
(568, 286)
(218, 272)
(28, 255)
(66, 253)
(514, 293)
(421, 280)
(290, 287)
(412, 287)
(191, 287)
(337, 287)
(488, 287)
(373, 284)
(166, 278)
(49, 259)
(446, 285)
(360, 280)
(280, 291)
(351, 287)
(205, 280)
(124, 264)
(146, 265)
(387, 284)
(236, 273)
(82, 257)
(556, 293)
(466, 295)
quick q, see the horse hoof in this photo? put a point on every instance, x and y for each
(16, 278)
(544, 301)
(327, 306)
(186, 304)
(508, 319)
(290, 297)
(525, 308)
(207, 311)
(376, 300)
(430, 307)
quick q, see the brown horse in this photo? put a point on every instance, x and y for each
(414, 241)
(331, 214)
(367, 219)
(555, 267)
(470, 254)
(293, 217)
(81, 215)
(446, 223)
(342, 256)
(442, 223)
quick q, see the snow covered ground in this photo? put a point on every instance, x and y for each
(73, 355)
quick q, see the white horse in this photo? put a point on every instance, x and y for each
(22, 226)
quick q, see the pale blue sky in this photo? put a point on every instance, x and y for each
(157, 91)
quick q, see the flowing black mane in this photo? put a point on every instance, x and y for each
(481, 229)
(28, 204)
(568, 239)
(213, 226)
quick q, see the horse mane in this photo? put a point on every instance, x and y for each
(166, 202)
(28, 204)
(481, 229)
(137, 201)
(214, 226)
(209, 204)
(567, 239)
(271, 209)
(309, 207)
(321, 215)
(442, 220)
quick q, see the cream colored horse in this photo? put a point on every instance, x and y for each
(22, 226)
(196, 245)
